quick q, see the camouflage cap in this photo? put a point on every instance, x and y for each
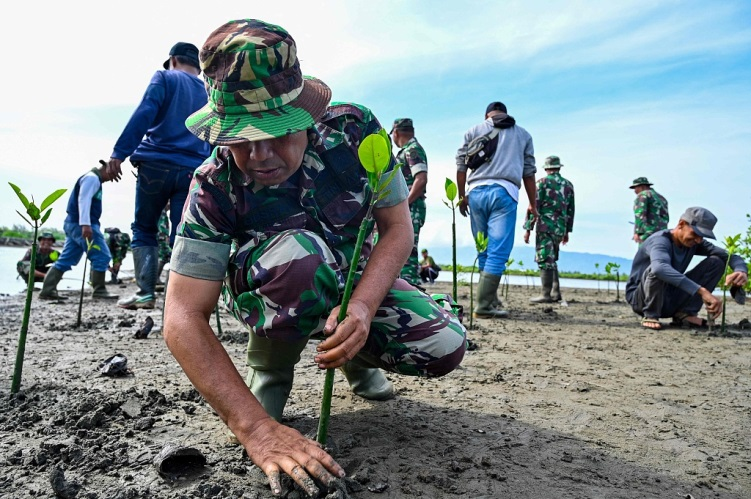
(640, 181)
(255, 86)
(46, 235)
(552, 163)
(403, 124)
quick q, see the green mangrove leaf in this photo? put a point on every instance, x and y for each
(451, 189)
(383, 133)
(20, 195)
(45, 216)
(52, 198)
(374, 153)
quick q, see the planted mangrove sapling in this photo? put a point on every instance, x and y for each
(375, 156)
(453, 203)
(36, 218)
(481, 244)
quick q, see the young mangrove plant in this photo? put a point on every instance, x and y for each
(481, 244)
(452, 192)
(375, 155)
(506, 274)
(36, 218)
(89, 246)
(732, 244)
(611, 267)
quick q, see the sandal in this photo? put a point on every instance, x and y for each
(651, 323)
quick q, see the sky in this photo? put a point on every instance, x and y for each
(617, 90)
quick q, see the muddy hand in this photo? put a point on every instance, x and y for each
(278, 449)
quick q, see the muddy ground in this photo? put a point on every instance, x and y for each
(560, 402)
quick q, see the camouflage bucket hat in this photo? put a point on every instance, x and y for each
(639, 181)
(552, 163)
(255, 87)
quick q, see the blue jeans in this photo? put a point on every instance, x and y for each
(492, 211)
(158, 183)
(75, 248)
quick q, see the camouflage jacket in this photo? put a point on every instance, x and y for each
(650, 213)
(43, 260)
(413, 160)
(327, 195)
(555, 204)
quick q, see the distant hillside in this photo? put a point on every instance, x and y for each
(568, 262)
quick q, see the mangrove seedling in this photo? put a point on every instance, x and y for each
(731, 245)
(597, 275)
(611, 267)
(481, 244)
(506, 276)
(375, 155)
(36, 218)
(452, 192)
(89, 246)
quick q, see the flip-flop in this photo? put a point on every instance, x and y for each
(651, 323)
(681, 320)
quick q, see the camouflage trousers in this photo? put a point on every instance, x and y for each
(411, 270)
(285, 289)
(119, 244)
(546, 250)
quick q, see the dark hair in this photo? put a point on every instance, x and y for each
(496, 106)
(187, 60)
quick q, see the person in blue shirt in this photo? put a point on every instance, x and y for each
(82, 228)
(165, 154)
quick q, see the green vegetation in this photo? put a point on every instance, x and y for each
(38, 215)
(530, 272)
(21, 232)
(481, 244)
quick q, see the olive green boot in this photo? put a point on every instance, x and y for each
(100, 289)
(546, 277)
(487, 288)
(555, 292)
(367, 381)
(49, 286)
(271, 370)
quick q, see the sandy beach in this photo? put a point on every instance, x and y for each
(572, 401)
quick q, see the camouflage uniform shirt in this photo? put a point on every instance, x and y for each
(555, 204)
(650, 213)
(413, 160)
(327, 195)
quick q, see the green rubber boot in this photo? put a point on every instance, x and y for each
(100, 289)
(367, 381)
(49, 286)
(546, 277)
(271, 370)
(555, 292)
(487, 289)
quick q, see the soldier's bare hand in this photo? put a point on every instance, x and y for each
(344, 339)
(526, 236)
(565, 238)
(637, 238)
(278, 449)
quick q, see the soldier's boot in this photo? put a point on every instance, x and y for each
(145, 261)
(487, 289)
(555, 292)
(367, 381)
(100, 289)
(547, 278)
(49, 286)
(271, 370)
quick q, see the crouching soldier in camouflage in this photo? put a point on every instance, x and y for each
(119, 244)
(555, 205)
(286, 187)
(45, 257)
